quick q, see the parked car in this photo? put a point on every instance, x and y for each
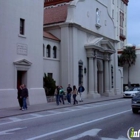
(131, 92)
(135, 103)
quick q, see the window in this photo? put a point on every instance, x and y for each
(80, 69)
(50, 75)
(48, 51)
(121, 22)
(54, 52)
(22, 24)
(43, 50)
(112, 77)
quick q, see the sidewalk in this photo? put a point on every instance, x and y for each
(9, 112)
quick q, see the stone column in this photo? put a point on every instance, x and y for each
(95, 75)
(106, 78)
(91, 75)
(109, 66)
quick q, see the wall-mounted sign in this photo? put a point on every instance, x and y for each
(22, 49)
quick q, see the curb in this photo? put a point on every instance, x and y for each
(55, 108)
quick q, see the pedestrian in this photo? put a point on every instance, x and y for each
(74, 95)
(80, 90)
(69, 90)
(19, 97)
(57, 95)
(61, 94)
(24, 96)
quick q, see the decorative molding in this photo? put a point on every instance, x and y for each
(99, 48)
(74, 2)
(23, 62)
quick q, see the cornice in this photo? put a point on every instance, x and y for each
(69, 24)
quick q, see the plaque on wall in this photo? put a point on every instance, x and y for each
(22, 49)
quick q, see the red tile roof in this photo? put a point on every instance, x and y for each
(50, 36)
(54, 2)
(55, 14)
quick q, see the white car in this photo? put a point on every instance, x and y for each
(131, 92)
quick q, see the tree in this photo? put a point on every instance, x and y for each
(128, 57)
(49, 85)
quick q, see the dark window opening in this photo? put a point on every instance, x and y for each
(80, 69)
(50, 75)
(112, 77)
(48, 51)
(22, 24)
(43, 50)
(54, 52)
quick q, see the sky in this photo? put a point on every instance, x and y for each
(133, 22)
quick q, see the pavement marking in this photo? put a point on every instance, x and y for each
(92, 132)
(71, 109)
(52, 111)
(78, 125)
(83, 107)
(120, 138)
(57, 113)
(15, 119)
(36, 115)
(5, 132)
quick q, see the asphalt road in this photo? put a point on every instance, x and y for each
(108, 120)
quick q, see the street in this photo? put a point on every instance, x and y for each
(108, 120)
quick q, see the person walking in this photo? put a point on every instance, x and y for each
(24, 96)
(69, 90)
(61, 94)
(57, 95)
(19, 97)
(74, 95)
(80, 90)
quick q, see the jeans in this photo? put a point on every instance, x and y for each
(80, 93)
(24, 103)
(69, 97)
(74, 98)
(20, 100)
(61, 98)
(57, 99)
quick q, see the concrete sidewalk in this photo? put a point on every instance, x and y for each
(9, 112)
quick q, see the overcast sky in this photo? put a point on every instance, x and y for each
(133, 22)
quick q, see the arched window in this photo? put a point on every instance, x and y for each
(97, 16)
(54, 52)
(43, 50)
(80, 69)
(48, 51)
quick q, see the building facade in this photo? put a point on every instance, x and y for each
(77, 44)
